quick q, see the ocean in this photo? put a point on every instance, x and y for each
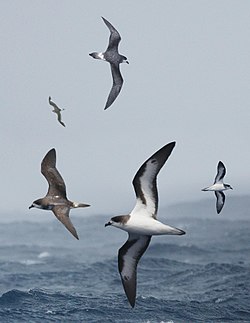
(48, 276)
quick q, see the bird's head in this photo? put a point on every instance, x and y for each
(125, 60)
(36, 204)
(118, 221)
(40, 205)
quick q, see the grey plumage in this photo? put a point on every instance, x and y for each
(112, 56)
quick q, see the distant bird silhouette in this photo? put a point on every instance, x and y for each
(219, 186)
(57, 110)
(56, 199)
(112, 56)
(142, 221)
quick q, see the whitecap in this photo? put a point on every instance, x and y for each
(29, 262)
(44, 254)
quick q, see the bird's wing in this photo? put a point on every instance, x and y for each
(144, 182)
(128, 256)
(114, 37)
(54, 105)
(62, 214)
(220, 200)
(117, 85)
(59, 118)
(48, 169)
(221, 172)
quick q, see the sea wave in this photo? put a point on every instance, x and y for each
(42, 305)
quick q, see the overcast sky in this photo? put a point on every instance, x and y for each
(188, 80)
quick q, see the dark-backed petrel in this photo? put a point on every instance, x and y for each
(218, 187)
(56, 198)
(57, 110)
(112, 56)
(141, 223)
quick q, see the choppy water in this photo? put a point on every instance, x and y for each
(47, 276)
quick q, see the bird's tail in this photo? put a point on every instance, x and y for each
(174, 231)
(75, 205)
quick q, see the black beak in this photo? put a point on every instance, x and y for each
(31, 206)
(106, 224)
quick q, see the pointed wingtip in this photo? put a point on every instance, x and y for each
(131, 299)
(107, 106)
(218, 211)
(52, 150)
(73, 232)
(220, 163)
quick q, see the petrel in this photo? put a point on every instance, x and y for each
(57, 110)
(56, 198)
(219, 186)
(112, 56)
(142, 223)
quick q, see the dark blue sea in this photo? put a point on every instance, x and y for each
(48, 276)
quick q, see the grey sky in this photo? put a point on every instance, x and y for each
(188, 80)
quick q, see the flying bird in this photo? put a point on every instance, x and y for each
(57, 110)
(142, 222)
(218, 187)
(56, 198)
(112, 56)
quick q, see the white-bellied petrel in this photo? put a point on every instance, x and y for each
(56, 198)
(219, 186)
(57, 110)
(141, 223)
(112, 56)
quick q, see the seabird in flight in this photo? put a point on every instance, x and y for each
(56, 198)
(112, 56)
(218, 187)
(57, 110)
(142, 222)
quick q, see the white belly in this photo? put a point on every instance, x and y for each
(148, 226)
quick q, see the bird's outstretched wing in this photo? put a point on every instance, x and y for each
(114, 37)
(128, 258)
(59, 118)
(220, 200)
(144, 182)
(117, 85)
(62, 214)
(56, 183)
(221, 172)
(54, 105)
